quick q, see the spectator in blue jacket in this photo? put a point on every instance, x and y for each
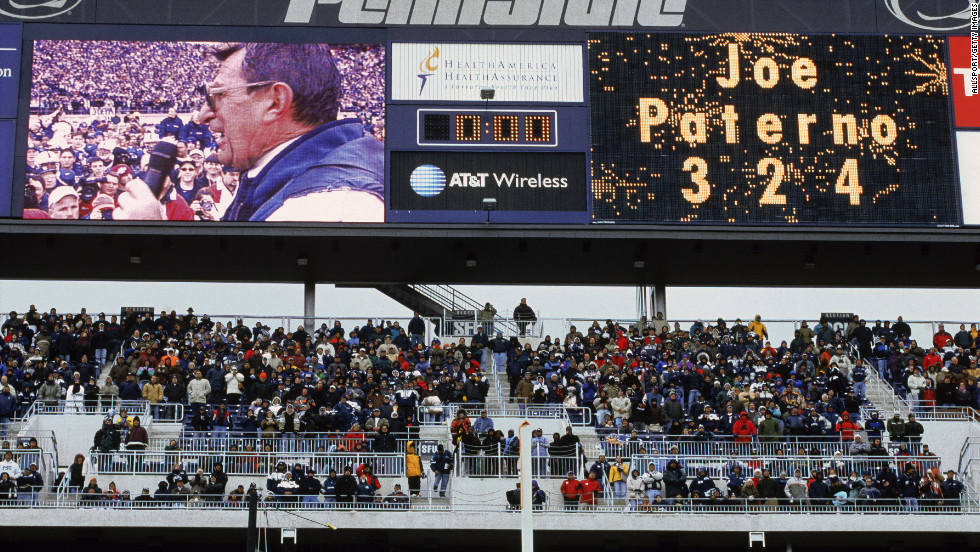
(329, 489)
(129, 390)
(702, 484)
(309, 488)
(874, 426)
(8, 408)
(600, 468)
(442, 467)
(170, 125)
(908, 487)
(951, 491)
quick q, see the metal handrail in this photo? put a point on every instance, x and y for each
(726, 445)
(738, 506)
(304, 442)
(500, 465)
(136, 408)
(581, 322)
(128, 462)
(719, 468)
(62, 489)
(881, 388)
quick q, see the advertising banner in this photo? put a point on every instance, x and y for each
(968, 144)
(743, 128)
(798, 16)
(463, 181)
(964, 81)
(461, 72)
(704, 15)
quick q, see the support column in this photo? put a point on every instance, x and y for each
(659, 299)
(525, 478)
(309, 304)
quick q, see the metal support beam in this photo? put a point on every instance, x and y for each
(309, 304)
(659, 299)
(252, 538)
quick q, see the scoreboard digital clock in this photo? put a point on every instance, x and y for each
(477, 127)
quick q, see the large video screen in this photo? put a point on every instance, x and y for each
(770, 128)
(198, 131)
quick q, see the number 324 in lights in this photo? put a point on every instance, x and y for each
(847, 181)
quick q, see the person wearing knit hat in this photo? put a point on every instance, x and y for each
(122, 173)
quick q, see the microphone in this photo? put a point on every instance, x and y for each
(161, 163)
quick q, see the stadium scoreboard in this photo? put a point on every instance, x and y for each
(654, 112)
(771, 128)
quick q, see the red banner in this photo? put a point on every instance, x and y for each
(966, 99)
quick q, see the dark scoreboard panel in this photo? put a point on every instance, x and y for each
(770, 128)
(455, 127)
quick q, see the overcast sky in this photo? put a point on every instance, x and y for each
(548, 301)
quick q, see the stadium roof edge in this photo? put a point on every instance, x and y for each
(621, 255)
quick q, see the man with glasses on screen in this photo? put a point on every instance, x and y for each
(275, 108)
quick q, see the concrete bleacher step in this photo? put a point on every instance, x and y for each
(106, 370)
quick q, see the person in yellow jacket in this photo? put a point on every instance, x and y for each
(758, 327)
(618, 472)
(413, 469)
(153, 393)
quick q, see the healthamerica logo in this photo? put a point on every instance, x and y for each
(428, 180)
(427, 67)
(36, 9)
(930, 22)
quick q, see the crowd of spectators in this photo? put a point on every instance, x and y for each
(706, 381)
(914, 483)
(76, 76)
(709, 381)
(90, 133)
(714, 380)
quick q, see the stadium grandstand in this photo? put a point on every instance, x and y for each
(757, 157)
(632, 418)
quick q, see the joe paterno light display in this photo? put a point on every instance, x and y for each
(771, 128)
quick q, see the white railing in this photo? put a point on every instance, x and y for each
(725, 446)
(498, 465)
(388, 505)
(778, 328)
(127, 462)
(133, 408)
(719, 468)
(879, 390)
(237, 440)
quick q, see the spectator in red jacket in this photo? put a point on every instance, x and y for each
(589, 489)
(571, 491)
(931, 359)
(942, 336)
(743, 429)
(846, 427)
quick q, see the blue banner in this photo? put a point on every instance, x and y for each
(9, 68)
(7, 129)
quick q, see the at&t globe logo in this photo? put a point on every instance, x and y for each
(36, 9)
(428, 180)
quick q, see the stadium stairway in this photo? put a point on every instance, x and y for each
(882, 397)
(434, 301)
